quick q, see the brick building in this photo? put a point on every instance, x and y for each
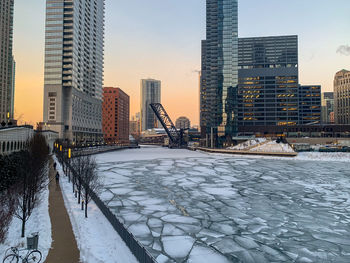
(115, 116)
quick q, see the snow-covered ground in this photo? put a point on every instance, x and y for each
(247, 144)
(272, 147)
(97, 240)
(189, 206)
(39, 221)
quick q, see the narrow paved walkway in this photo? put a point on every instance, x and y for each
(64, 247)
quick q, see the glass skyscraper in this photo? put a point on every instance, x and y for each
(74, 43)
(150, 93)
(7, 64)
(219, 78)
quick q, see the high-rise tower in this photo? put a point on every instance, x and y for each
(150, 93)
(341, 97)
(7, 63)
(74, 42)
(219, 77)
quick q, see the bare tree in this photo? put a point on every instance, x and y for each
(8, 189)
(33, 173)
(80, 165)
(8, 199)
(25, 199)
(91, 183)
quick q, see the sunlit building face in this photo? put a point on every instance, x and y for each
(74, 42)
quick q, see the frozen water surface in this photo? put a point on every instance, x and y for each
(189, 206)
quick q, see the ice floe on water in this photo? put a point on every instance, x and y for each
(187, 206)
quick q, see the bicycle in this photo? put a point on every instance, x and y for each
(33, 254)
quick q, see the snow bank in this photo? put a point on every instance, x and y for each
(273, 146)
(247, 144)
(97, 240)
(39, 221)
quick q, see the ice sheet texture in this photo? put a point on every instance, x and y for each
(193, 207)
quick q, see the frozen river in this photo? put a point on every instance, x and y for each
(193, 207)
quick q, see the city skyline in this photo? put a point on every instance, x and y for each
(130, 45)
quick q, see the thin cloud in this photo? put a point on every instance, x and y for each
(344, 50)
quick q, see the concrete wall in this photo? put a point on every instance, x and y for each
(14, 139)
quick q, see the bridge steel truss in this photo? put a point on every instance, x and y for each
(175, 136)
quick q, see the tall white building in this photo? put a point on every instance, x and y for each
(150, 93)
(7, 64)
(342, 97)
(74, 43)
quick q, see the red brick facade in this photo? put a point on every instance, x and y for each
(115, 116)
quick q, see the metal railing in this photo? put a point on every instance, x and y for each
(139, 251)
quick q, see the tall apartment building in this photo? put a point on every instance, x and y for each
(219, 77)
(268, 88)
(7, 64)
(327, 104)
(74, 42)
(115, 120)
(150, 93)
(342, 97)
(183, 123)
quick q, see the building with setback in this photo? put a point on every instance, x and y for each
(268, 81)
(115, 118)
(268, 90)
(219, 76)
(74, 42)
(150, 93)
(7, 64)
(342, 97)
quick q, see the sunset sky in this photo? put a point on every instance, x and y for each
(161, 39)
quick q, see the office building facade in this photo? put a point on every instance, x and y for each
(115, 116)
(268, 81)
(74, 43)
(342, 97)
(150, 93)
(7, 64)
(219, 73)
(309, 104)
(182, 123)
(269, 93)
(327, 107)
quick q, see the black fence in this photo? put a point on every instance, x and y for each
(139, 251)
(136, 248)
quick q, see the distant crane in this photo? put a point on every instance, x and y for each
(175, 135)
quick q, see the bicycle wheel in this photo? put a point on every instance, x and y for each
(34, 257)
(12, 258)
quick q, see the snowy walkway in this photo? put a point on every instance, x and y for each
(64, 246)
(97, 240)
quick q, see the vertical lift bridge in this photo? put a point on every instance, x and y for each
(175, 136)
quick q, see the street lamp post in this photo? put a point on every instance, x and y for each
(69, 157)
